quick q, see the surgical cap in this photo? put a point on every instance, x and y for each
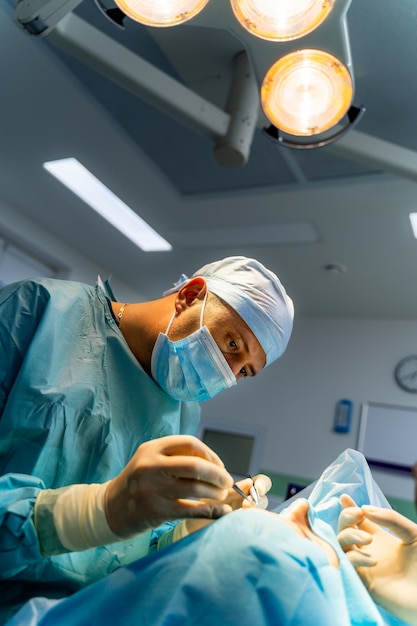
(257, 295)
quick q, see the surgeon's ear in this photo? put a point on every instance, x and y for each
(194, 290)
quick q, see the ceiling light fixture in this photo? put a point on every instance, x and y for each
(306, 92)
(161, 13)
(91, 190)
(281, 20)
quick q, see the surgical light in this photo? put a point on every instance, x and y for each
(86, 186)
(308, 87)
(306, 92)
(161, 12)
(281, 20)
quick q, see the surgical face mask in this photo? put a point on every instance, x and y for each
(192, 368)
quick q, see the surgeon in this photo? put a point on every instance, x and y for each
(98, 403)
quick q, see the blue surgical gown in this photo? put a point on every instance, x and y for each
(74, 406)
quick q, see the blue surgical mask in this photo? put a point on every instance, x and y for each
(192, 368)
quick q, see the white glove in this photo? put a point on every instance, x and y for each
(169, 478)
(174, 477)
(388, 564)
(262, 483)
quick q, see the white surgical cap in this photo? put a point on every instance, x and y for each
(257, 295)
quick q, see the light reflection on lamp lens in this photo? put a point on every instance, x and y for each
(306, 92)
(281, 20)
(161, 12)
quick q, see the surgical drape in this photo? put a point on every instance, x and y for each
(247, 568)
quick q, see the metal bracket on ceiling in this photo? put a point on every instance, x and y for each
(232, 149)
(39, 17)
(231, 130)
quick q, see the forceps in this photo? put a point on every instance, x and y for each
(253, 492)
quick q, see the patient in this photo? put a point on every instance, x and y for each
(249, 568)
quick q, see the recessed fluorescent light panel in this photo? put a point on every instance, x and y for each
(86, 186)
(413, 220)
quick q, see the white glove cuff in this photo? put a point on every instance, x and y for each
(80, 518)
(180, 531)
(174, 534)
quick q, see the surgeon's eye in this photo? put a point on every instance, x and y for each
(243, 371)
(233, 344)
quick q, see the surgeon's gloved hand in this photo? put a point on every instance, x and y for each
(262, 483)
(170, 478)
(388, 565)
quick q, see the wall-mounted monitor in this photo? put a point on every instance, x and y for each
(388, 436)
(239, 445)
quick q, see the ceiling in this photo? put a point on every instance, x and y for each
(349, 200)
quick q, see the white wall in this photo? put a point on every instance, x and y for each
(47, 248)
(294, 399)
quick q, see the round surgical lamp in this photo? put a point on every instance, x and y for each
(306, 92)
(281, 20)
(161, 12)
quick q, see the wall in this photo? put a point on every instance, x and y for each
(47, 248)
(294, 399)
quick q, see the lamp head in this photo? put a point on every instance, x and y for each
(160, 13)
(306, 92)
(281, 20)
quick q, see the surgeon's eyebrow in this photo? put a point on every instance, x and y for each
(253, 371)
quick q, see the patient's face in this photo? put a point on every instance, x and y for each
(297, 519)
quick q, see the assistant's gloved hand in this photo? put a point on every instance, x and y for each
(388, 563)
(157, 483)
(352, 536)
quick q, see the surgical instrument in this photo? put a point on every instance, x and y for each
(241, 493)
(255, 501)
(254, 493)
